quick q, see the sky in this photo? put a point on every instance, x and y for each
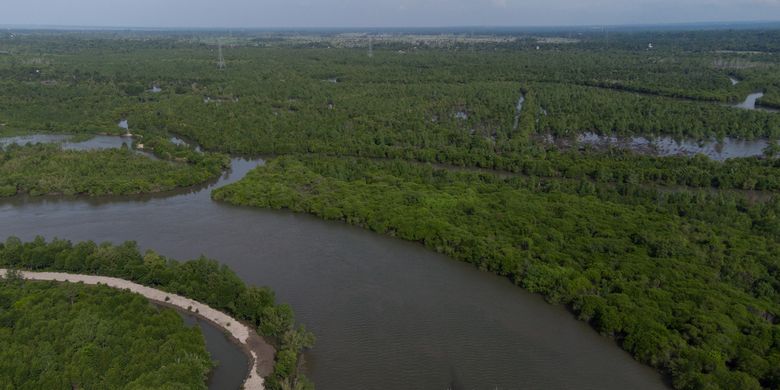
(378, 13)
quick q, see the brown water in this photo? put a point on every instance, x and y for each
(388, 314)
(232, 364)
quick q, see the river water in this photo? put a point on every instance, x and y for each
(232, 364)
(388, 314)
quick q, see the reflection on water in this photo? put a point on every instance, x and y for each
(180, 141)
(97, 142)
(751, 103)
(34, 139)
(232, 363)
(518, 110)
(667, 146)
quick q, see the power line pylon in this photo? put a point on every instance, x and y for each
(221, 62)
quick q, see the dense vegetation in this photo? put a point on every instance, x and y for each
(451, 103)
(203, 280)
(71, 336)
(47, 169)
(571, 108)
(687, 282)
(662, 253)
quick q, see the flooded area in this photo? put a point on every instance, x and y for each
(73, 142)
(179, 141)
(388, 314)
(667, 146)
(97, 142)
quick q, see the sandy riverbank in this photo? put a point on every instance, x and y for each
(262, 354)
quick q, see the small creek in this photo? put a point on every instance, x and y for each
(518, 110)
(750, 103)
(231, 362)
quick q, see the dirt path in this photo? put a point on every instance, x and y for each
(262, 354)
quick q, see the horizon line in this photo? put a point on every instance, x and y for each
(389, 27)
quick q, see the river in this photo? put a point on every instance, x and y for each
(388, 314)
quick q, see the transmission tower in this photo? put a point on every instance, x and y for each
(221, 62)
(370, 47)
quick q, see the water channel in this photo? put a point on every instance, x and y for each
(231, 362)
(751, 103)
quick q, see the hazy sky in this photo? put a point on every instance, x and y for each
(378, 13)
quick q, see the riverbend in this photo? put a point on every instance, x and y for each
(388, 314)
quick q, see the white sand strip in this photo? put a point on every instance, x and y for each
(237, 330)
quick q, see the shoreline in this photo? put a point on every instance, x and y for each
(260, 353)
